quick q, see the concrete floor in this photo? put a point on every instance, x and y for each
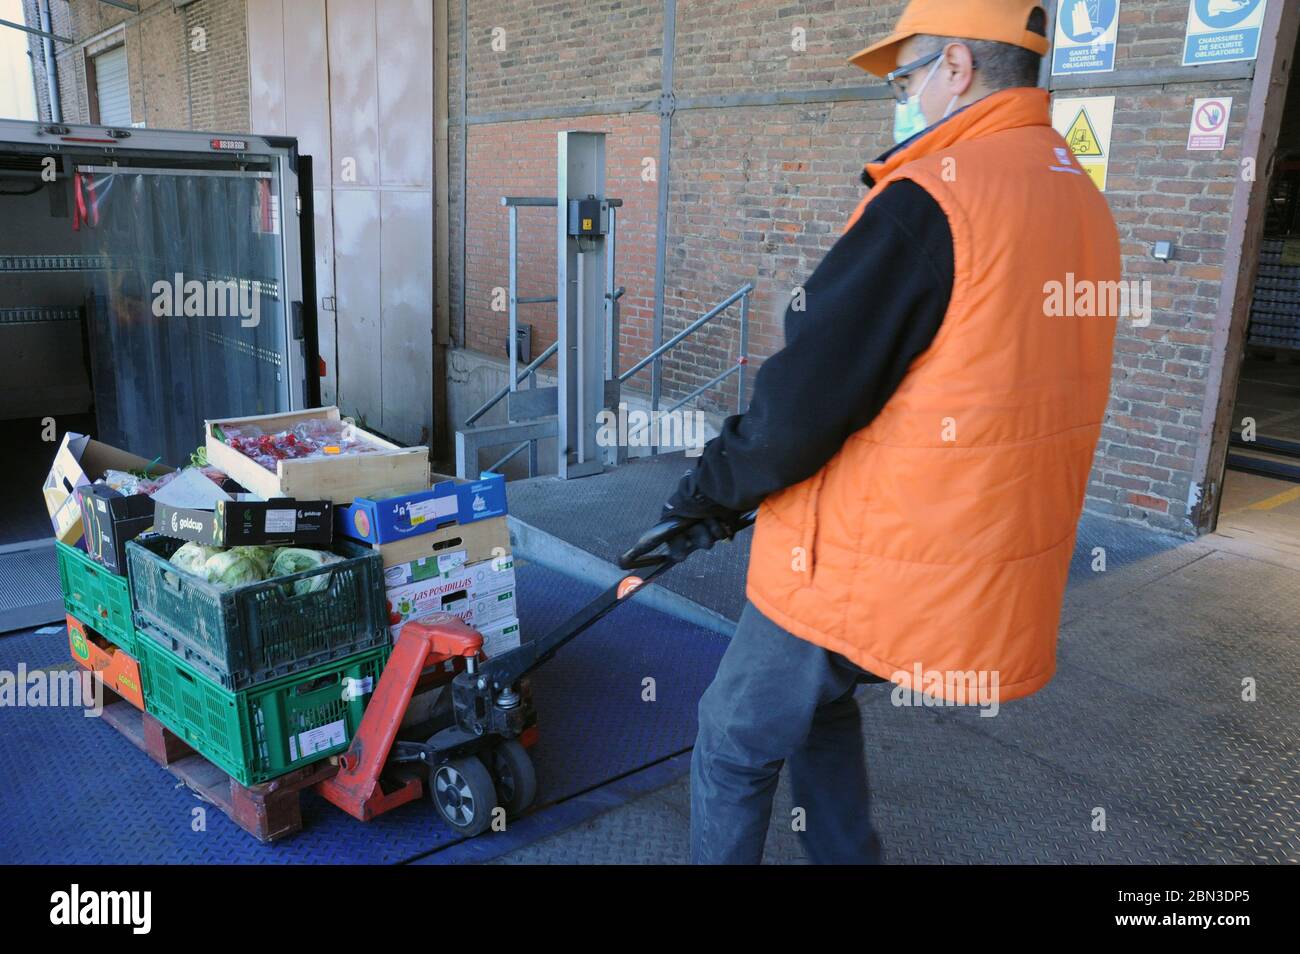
(1145, 720)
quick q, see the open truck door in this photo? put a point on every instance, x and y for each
(155, 278)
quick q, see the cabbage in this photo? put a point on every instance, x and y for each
(192, 557)
(232, 568)
(261, 557)
(291, 560)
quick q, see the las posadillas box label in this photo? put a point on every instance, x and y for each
(232, 523)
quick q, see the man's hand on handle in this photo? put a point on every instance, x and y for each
(688, 522)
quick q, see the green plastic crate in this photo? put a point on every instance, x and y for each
(257, 734)
(96, 596)
(246, 635)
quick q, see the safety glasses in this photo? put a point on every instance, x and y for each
(900, 91)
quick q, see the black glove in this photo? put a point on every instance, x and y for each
(704, 522)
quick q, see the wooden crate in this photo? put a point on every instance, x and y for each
(338, 479)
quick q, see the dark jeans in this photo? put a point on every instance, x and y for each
(780, 699)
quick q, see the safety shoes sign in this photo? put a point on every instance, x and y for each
(1223, 31)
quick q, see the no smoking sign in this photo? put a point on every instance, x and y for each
(1210, 124)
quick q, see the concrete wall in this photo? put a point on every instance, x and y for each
(188, 68)
(758, 191)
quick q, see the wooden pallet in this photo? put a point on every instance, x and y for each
(269, 811)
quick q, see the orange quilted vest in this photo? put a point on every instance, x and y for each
(938, 539)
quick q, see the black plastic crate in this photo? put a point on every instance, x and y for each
(249, 634)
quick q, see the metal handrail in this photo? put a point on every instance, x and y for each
(531, 369)
(742, 292)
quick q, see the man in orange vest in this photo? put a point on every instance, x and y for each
(921, 445)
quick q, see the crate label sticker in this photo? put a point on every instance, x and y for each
(432, 509)
(281, 521)
(1086, 122)
(1209, 130)
(1290, 252)
(1086, 32)
(317, 740)
(451, 561)
(357, 688)
(1223, 31)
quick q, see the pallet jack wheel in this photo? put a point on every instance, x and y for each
(464, 795)
(516, 779)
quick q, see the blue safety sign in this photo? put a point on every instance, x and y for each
(1086, 34)
(1223, 31)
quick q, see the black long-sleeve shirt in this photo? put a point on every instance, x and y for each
(872, 306)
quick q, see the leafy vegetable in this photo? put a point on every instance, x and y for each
(261, 557)
(232, 568)
(290, 560)
(192, 557)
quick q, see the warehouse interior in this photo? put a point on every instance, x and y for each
(1261, 489)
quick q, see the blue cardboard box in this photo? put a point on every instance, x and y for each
(384, 520)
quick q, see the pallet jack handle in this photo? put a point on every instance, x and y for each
(648, 555)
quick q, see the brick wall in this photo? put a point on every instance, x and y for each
(519, 159)
(758, 193)
(174, 85)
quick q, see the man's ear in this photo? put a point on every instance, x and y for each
(959, 65)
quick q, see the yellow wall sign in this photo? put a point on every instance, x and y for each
(1086, 122)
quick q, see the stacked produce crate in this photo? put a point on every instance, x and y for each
(218, 598)
(262, 636)
(94, 494)
(445, 548)
(249, 602)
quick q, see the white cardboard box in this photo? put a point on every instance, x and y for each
(478, 593)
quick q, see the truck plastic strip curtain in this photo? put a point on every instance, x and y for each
(188, 322)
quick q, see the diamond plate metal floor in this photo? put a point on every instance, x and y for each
(76, 792)
(29, 585)
(1145, 720)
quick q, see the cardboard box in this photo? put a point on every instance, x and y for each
(340, 479)
(388, 518)
(111, 519)
(80, 460)
(501, 636)
(234, 523)
(119, 671)
(451, 547)
(479, 594)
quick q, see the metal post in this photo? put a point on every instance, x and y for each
(611, 302)
(581, 344)
(744, 354)
(580, 272)
(51, 63)
(513, 343)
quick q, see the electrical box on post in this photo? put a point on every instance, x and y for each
(588, 217)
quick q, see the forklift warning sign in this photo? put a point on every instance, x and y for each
(1223, 31)
(1086, 123)
(1086, 31)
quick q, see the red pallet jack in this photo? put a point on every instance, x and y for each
(476, 759)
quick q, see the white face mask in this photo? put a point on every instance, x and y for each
(909, 118)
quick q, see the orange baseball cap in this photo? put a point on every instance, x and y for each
(1001, 20)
